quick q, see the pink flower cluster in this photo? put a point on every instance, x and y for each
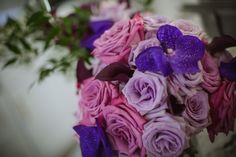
(151, 114)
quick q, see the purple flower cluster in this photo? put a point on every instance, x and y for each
(154, 90)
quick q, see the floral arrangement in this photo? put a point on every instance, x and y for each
(154, 83)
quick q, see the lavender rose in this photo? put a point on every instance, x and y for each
(165, 136)
(145, 91)
(95, 95)
(181, 85)
(197, 110)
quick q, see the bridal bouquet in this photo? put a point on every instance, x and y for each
(154, 84)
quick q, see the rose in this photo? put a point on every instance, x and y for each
(111, 10)
(95, 95)
(211, 75)
(142, 45)
(223, 109)
(197, 110)
(180, 85)
(188, 28)
(115, 44)
(165, 136)
(124, 128)
(145, 91)
(152, 24)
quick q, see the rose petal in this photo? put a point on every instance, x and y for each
(167, 35)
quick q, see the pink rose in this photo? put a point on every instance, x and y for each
(181, 85)
(211, 75)
(223, 109)
(115, 44)
(124, 127)
(188, 28)
(95, 95)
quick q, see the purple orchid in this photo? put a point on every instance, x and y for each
(98, 28)
(178, 53)
(93, 141)
(228, 70)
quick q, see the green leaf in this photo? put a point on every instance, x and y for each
(44, 72)
(50, 36)
(13, 48)
(68, 24)
(25, 44)
(9, 62)
(35, 16)
(37, 19)
(12, 23)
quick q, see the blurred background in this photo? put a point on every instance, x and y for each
(36, 120)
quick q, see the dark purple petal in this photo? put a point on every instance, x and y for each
(82, 72)
(167, 35)
(228, 70)
(88, 42)
(100, 26)
(154, 60)
(219, 44)
(176, 108)
(89, 141)
(189, 48)
(104, 140)
(93, 141)
(181, 65)
(117, 71)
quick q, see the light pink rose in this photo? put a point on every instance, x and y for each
(223, 109)
(142, 45)
(95, 95)
(124, 127)
(188, 28)
(111, 10)
(181, 85)
(152, 24)
(115, 44)
(211, 75)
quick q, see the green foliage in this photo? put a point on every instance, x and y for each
(18, 39)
